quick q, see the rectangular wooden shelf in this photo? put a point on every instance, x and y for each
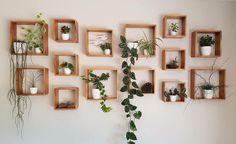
(196, 47)
(13, 37)
(222, 83)
(20, 75)
(183, 26)
(75, 32)
(57, 95)
(180, 85)
(182, 61)
(57, 64)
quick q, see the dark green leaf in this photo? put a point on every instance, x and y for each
(128, 115)
(135, 85)
(130, 96)
(124, 88)
(138, 115)
(132, 126)
(132, 91)
(122, 45)
(132, 60)
(122, 39)
(139, 93)
(132, 75)
(125, 71)
(131, 136)
(124, 64)
(126, 80)
(126, 109)
(125, 102)
(132, 107)
(131, 142)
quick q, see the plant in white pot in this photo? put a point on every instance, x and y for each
(19, 47)
(173, 94)
(67, 67)
(208, 90)
(37, 48)
(98, 92)
(174, 29)
(35, 78)
(65, 33)
(206, 43)
(106, 48)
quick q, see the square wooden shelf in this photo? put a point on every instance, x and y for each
(21, 78)
(195, 47)
(182, 23)
(13, 36)
(75, 100)
(116, 83)
(75, 63)
(181, 54)
(180, 85)
(140, 77)
(74, 28)
(151, 27)
(222, 83)
(91, 44)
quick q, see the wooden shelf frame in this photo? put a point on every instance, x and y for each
(57, 95)
(75, 33)
(13, 36)
(196, 47)
(57, 64)
(149, 26)
(180, 85)
(87, 88)
(222, 83)
(182, 53)
(19, 81)
(103, 30)
(182, 18)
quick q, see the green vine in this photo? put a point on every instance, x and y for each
(131, 88)
(96, 81)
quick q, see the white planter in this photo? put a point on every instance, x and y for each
(130, 45)
(65, 36)
(96, 94)
(206, 50)
(173, 33)
(33, 90)
(208, 94)
(173, 98)
(37, 50)
(135, 44)
(19, 47)
(67, 71)
(145, 52)
(107, 52)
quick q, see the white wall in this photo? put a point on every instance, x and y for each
(203, 122)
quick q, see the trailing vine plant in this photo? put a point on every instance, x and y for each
(131, 88)
(97, 82)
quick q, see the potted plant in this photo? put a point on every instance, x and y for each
(37, 48)
(67, 67)
(65, 33)
(208, 90)
(19, 47)
(35, 77)
(172, 94)
(147, 88)
(106, 48)
(206, 43)
(173, 64)
(174, 28)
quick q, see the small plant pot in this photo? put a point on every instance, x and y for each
(208, 94)
(96, 94)
(130, 45)
(171, 66)
(33, 90)
(37, 50)
(173, 98)
(173, 33)
(145, 52)
(19, 47)
(206, 50)
(67, 71)
(65, 36)
(107, 52)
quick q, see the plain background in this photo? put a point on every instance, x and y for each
(202, 122)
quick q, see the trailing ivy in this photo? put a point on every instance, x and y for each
(131, 88)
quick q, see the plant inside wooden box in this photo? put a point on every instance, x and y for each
(206, 43)
(68, 68)
(174, 93)
(33, 80)
(174, 29)
(98, 92)
(106, 48)
(65, 32)
(173, 64)
(147, 87)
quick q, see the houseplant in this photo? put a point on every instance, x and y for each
(208, 90)
(106, 48)
(19, 47)
(173, 94)
(98, 92)
(133, 44)
(147, 87)
(67, 67)
(34, 79)
(173, 64)
(206, 43)
(174, 28)
(65, 33)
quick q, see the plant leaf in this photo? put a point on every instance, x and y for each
(137, 114)
(124, 88)
(132, 126)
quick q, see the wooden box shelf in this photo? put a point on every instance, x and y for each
(74, 102)
(74, 28)
(140, 34)
(182, 23)
(195, 47)
(194, 91)
(180, 85)
(114, 84)
(75, 63)
(22, 79)
(13, 36)
(91, 41)
(180, 58)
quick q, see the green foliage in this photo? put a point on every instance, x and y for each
(175, 91)
(207, 41)
(67, 65)
(174, 27)
(105, 46)
(173, 64)
(208, 86)
(131, 88)
(65, 29)
(97, 82)
(35, 77)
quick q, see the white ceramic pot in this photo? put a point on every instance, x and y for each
(65, 36)
(173, 33)
(67, 71)
(173, 98)
(145, 52)
(208, 94)
(96, 94)
(107, 52)
(135, 44)
(206, 50)
(33, 90)
(130, 45)
(37, 50)
(19, 47)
